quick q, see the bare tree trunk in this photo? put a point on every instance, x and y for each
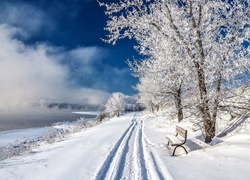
(218, 91)
(204, 108)
(205, 111)
(178, 104)
(209, 131)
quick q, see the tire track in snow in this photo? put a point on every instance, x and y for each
(156, 168)
(130, 158)
(134, 167)
(144, 170)
(125, 157)
(107, 165)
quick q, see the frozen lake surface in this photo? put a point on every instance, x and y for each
(38, 119)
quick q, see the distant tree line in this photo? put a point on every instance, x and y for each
(117, 104)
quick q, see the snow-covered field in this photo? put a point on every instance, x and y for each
(130, 147)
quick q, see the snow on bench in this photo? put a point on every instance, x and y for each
(174, 140)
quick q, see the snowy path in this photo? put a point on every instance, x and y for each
(117, 149)
(129, 158)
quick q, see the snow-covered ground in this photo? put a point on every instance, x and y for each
(224, 158)
(130, 147)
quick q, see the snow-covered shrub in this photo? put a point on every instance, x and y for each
(102, 116)
(81, 124)
(56, 133)
(115, 105)
(14, 149)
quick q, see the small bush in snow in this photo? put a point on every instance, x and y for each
(115, 105)
(55, 134)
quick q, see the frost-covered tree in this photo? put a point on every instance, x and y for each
(160, 84)
(115, 105)
(212, 36)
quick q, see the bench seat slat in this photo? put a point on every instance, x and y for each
(173, 139)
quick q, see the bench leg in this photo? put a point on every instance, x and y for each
(177, 147)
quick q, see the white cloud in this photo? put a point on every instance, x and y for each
(87, 55)
(26, 17)
(84, 60)
(31, 73)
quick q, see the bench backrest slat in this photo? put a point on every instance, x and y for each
(182, 132)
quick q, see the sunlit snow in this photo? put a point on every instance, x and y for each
(129, 147)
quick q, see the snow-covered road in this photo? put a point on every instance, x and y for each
(126, 160)
(131, 157)
(117, 149)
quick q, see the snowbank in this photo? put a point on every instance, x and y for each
(132, 147)
(227, 157)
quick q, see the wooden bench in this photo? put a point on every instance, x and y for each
(173, 140)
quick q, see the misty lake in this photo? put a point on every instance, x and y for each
(37, 119)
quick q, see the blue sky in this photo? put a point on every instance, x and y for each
(52, 49)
